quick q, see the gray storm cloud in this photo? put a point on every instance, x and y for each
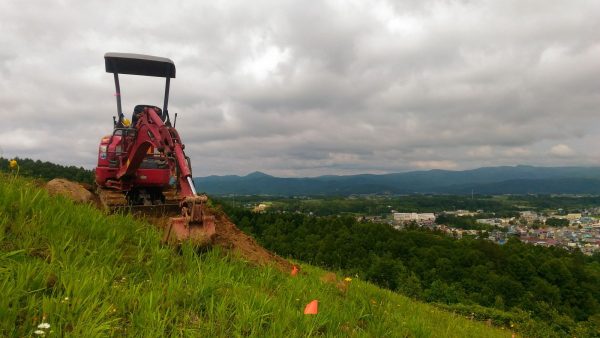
(297, 89)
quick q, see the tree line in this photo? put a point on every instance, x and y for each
(47, 170)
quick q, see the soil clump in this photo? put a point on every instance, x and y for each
(72, 190)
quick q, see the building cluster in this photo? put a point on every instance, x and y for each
(586, 238)
(582, 231)
(260, 208)
(531, 217)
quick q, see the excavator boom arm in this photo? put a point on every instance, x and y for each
(152, 132)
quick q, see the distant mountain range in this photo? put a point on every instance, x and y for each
(519, 179)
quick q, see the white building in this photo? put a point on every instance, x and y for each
(405, 217)
(529, 216)
(489, 221)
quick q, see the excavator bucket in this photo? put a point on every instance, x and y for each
(195, 225)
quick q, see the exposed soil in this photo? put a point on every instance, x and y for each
(72, 190)
(227, 235)
(231, 238)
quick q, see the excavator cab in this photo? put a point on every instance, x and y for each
(139, 109)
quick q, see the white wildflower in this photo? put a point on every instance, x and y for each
(44, 326)
(39, 332)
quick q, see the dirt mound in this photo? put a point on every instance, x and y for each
(231, 239)
(72, 190)
(228, 236)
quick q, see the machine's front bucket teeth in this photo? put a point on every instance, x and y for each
(195, 225)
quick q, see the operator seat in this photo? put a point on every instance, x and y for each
(140, 108)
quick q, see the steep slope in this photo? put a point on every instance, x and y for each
(82, 273)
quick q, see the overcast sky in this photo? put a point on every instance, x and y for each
(305, 88)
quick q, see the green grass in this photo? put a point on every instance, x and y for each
(88, 274)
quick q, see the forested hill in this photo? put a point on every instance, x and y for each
(490, 180)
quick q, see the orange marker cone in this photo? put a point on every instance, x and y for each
(294, 270)
(312, 308)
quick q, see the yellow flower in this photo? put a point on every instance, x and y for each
(348, 279)
(13, 164)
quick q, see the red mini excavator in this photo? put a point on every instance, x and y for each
(142, 165)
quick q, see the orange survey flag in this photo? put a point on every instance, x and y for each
(294, 270)
(312, 308)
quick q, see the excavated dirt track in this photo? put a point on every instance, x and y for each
(230, 237)
(227, 235)
(233, 240)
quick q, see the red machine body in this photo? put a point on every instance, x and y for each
(143, 159)
(153, 172)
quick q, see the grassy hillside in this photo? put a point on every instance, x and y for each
(87, 274)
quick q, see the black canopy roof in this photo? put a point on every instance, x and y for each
(138, 64)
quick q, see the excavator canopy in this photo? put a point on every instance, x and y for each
(139, 64)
